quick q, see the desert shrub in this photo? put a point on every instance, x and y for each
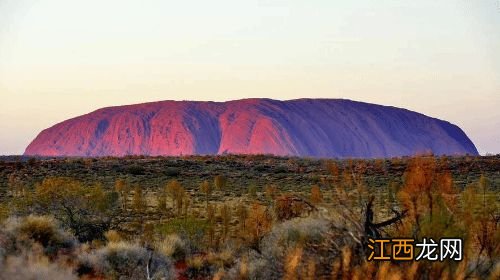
(280, 169)
(29, 267)
(136, 169)
(288, 207)
(198, 267)
(32, 161)
(127, 261)
(251, 266)
(112, 236)
(22, 233)
(204, 266)
(172, 171)
(280, 251)
(172, 246)
(223, 258)
(291, 233)
(261, 168)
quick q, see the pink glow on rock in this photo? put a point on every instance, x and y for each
(304, 127)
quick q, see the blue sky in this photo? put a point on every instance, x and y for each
(59, 59)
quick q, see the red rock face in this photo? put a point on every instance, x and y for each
(303, 127)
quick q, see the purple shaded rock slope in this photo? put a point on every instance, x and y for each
(303, 127)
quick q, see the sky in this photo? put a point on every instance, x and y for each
(62, 58)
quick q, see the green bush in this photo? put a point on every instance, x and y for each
(188, 226)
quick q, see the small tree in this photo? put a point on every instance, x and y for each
(333, 168)
(174, 190)
(186, 204)
(258, 223)
(347, 180)
(417, 192)
(206, 188)
(180, 195)
(242, 214)
(211, 223)
(480, 217)
(162, 203)
(148, 234)
(87, 211)
(379, 165)
(271, 192)
(252, 191)
(225, 213)
(220, 182)
(430, 196)
(100, 199)
(138, 201)
(16, 186)
(316, 196)
(122, 188)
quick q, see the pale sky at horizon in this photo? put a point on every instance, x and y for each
(60, 59)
